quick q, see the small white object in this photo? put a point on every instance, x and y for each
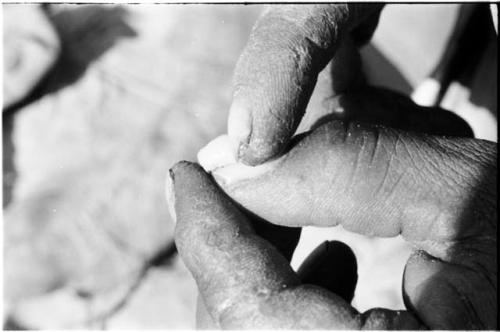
(426, 94)
(494, 16)
(219, 158)
(219, 152)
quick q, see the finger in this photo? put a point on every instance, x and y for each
(209, 231)
(203, 319)
(332, 265)
(375, 181)
(439, 193)
(450, 295)
(389, 108)
(277, 71)
(447, 207)
(284, 239)
(244, 281)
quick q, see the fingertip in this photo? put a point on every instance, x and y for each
(252, 147)
(176, 181)
(239, 123)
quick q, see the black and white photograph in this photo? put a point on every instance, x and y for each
(249, 165)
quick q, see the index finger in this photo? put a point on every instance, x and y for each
(277, 72)
(244, 281)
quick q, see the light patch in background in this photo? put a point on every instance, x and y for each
(413, 37)
(483, 123)
(426, 93)
(380, 263)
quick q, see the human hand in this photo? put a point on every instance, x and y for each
(278, 69)
(438, 192)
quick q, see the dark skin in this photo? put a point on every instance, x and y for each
(277, 71)
(394, 173)
(449, 281)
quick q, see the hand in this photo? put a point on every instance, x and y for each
(277, 71)
(439, 193)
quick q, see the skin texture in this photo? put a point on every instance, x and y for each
(439, 193)
(332, 266)
(278, 69)
(370, 105)
(285, 239)
(243, 279)
(385, 107)
(403, 170)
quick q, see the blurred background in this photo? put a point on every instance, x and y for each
(99, 101)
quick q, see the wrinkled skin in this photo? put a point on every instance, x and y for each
(385, 167)
(379, 182)
(278, 69)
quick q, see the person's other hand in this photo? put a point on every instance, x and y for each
(278, 69)
(438, 192)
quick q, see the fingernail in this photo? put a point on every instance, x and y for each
(170, 195)
(244, 156)
(239, 125)
(218, 153)
(256, 152)
(250, 149)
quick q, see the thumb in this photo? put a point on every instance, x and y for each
(438, 192)
(243, 280)
(375, 181)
